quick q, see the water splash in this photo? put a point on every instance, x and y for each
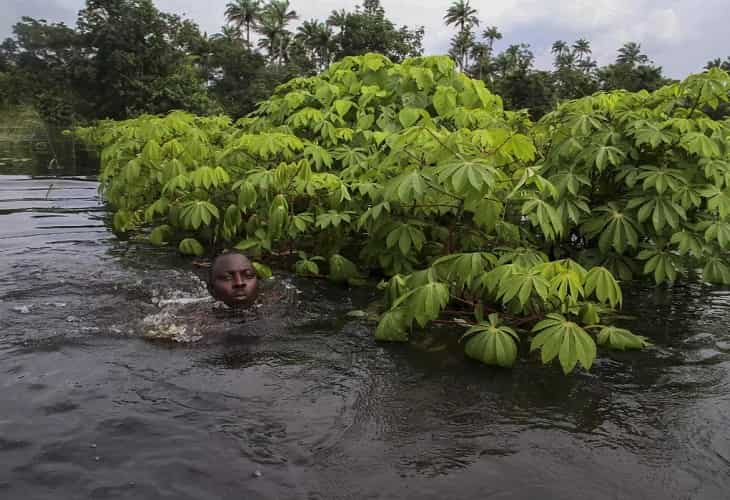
(166, 325)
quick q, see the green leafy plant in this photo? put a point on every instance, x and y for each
(415, 174)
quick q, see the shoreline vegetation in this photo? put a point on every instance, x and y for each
(19, 124)
(125, 58)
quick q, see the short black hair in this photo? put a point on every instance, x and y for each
(222, 254)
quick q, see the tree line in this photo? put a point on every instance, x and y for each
(125, 58)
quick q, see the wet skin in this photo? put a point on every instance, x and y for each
(233, 280)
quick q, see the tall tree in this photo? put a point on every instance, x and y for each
(316, 37)
(630, 54)
(559, 48)
(574, 74)
(367, 29)
(520, 85)
(461, 14)
(273, 21)
(461, 47)
(244, 13)
(491, 34)
(582, 49)
(43, 66)
(338, 19)
(139, 59)
(237, 75)
(633, 71)
(480, 54)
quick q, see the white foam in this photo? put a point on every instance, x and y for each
(163, 325)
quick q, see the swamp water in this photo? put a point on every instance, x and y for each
(302, 403)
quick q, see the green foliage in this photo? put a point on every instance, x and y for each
(415, 173)
(651, 168)
(621, 339)
(557, 336)
(492, 343)
(191, 246)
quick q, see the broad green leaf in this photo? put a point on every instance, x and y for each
(409, 116)
(444, 100)
(600, 281)
(341, 268)
(424, 303)
(342, 106)
(191, 246)
(262, 271)
(621, 339)
(492, 344)
(406, 236)
(556, 336)
(160, 235)
(392, 327)
(462, 176)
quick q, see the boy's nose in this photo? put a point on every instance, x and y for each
(237, 280)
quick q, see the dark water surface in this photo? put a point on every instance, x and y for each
(304, 405)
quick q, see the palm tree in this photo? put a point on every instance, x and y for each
(270, 32)
(272, 26)
(565, 60)
(718, 63)
(316, 37)
(229, 33)
(480, 54)
(582, 48)
(587, 65)
(461, 14)
(279, 10)
(630, 54)
(461, 44)
(564, 57)
(559, 47)
(338, 19)
(244, 13)
(491, 34)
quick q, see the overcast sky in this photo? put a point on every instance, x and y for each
(679, 35)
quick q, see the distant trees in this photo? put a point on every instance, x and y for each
(632, 71)
(575, 73)
(125, 57)
(137, 59)
(366, 29)
(719, 63)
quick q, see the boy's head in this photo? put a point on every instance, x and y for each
(232, 279)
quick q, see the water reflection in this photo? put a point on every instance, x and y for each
(50, 154)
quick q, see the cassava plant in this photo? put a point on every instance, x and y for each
(416, 174)
(643, 179)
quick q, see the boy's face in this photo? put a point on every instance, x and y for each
(233, 280)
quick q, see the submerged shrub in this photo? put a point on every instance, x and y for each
(415, 173)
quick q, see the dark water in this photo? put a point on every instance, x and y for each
(304, 405)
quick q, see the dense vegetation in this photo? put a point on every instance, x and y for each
(471, 214)
(125, 58)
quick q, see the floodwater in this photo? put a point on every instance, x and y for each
(302, 403)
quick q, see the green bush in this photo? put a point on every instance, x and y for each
(416, 174)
